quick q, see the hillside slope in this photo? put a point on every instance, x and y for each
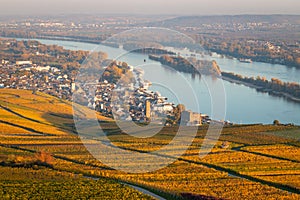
(22, 112)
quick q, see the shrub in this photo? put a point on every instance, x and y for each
(44, 158)
(276, 123)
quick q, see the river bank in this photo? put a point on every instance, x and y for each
(262, 89)
(240, 99)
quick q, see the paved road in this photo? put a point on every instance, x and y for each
(142, 190)
(147, 192)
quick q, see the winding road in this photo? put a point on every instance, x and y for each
(142, 190)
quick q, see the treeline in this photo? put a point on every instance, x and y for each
(18, 34)
(40, 159)
(138, 45)
(273, 86)
(38, 53)
(153, 51)
(191, 65)
(118, 73)
(61, 35)
(277, 52)
(178, 63)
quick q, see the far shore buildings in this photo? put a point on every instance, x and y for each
(19, 63)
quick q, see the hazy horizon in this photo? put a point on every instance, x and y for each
(155, 7)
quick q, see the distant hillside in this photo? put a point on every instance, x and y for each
(196, 21)
(22, 112)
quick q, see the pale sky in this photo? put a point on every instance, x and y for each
(178, 7)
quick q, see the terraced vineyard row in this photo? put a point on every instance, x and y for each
(257, 162)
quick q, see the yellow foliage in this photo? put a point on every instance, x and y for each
(23, 112)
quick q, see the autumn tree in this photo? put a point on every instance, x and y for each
(276, 122)
(177, 112)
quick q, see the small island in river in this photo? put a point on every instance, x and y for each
(273, 87)
(190, 65)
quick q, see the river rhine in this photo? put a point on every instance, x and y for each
(243, 104)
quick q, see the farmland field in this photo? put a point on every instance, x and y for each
(41, 156)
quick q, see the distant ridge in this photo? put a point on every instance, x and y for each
(198, 20)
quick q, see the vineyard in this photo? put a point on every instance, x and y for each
(19, 183)
(40, 156)
(38, 114)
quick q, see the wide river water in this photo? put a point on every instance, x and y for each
(243, 104)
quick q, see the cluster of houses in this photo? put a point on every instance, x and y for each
(129, 103)
(101, 100)
(135, 102)
(144, 105)
(28, 76)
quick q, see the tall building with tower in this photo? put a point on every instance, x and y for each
(148, 109)
(73, 86)
(190, 118)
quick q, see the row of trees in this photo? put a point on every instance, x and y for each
(261, 51)
(117, 73)
(274, 86)
(38, 53)
(39, 159)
